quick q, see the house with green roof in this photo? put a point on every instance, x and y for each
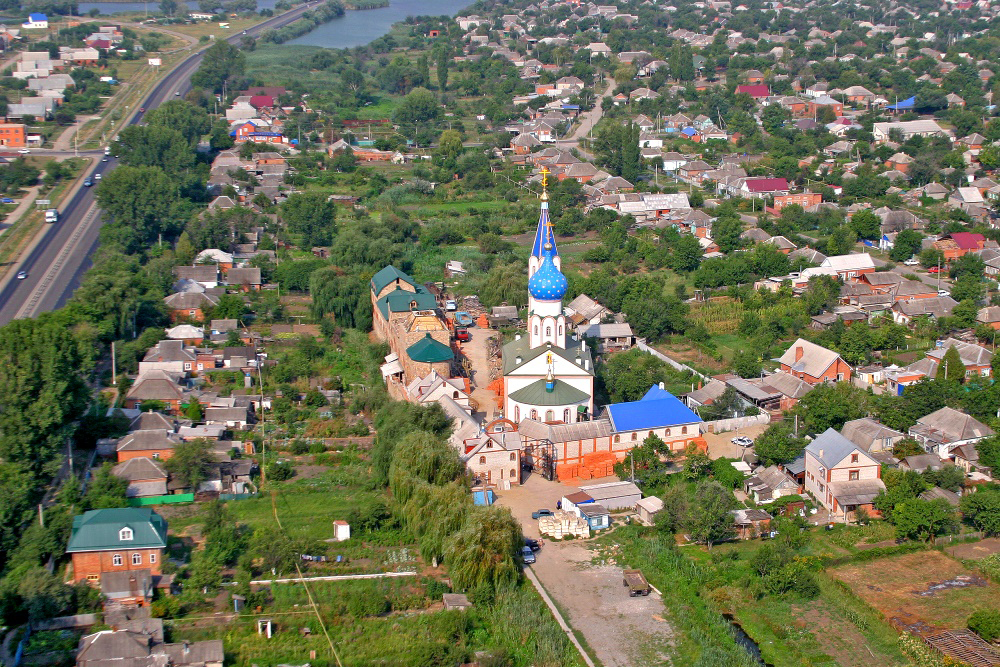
(116, 540)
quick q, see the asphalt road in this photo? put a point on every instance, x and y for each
(58, 261)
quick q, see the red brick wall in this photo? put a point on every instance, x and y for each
(93, 563)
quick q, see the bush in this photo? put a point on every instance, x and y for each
(986, 624)
(299, 447)
(280, 471)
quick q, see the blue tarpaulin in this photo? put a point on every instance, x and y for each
(908, 103)
(484, 497)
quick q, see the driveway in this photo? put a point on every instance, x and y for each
(720, 444)
(621, 631)
(476, 349)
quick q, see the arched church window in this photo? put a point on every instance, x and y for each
(635, 436)
(534, 414)
(482, 460)
(548, 331)
(549, 416)
(560, 330)
(684, 430)
(618, 438)
(566, 415)
(536, 329)
(517, 413)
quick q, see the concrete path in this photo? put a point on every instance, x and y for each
(588, 119)
(477, 351)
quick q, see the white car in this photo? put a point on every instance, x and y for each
(97, 177)
(913, 261)
(21, 275)
(742, 441)
(943, 292)
(24, 151)
(450, 305)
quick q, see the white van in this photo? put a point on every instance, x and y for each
(51, 215)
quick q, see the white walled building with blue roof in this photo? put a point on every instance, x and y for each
(658, 413)
(548, 375)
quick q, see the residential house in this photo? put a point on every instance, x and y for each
(989, 316)
(840, 475)
(957, 244)
(907, 129)
(612, 337)
(763, 187)
(805, 200)
(155, 444)
(190, 305)
(850, 266)
(110, 648)
(159, 387)
(905, 312)
(116, 540)
(769, 484)
(36, 21)
(12, 135)
(247, 279)
(976, 358)
(583, 310)
(943, 430)
(206, 275)
(145, 477)
(871, 436)
(813, 363)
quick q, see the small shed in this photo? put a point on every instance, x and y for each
(751, 523)
(614, 495)
(571, 501)
(341, 530)
(596, 516)
(648, 508)
(458, 601)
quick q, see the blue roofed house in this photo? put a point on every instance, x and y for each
(36, 21)
(657, 413)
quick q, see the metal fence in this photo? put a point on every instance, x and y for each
(948, 539)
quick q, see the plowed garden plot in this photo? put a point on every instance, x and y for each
(926, 587)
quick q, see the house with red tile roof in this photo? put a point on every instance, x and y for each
(756, 91)
(760, 187)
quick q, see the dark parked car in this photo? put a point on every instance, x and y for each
(540, 513)
(534, 545)
(527, 555)
(87, 183)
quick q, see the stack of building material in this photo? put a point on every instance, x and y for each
(563, 524)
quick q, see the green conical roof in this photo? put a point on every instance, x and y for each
(429, 351)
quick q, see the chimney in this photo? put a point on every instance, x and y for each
(799, 352)
(187, 647)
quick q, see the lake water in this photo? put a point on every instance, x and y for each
(357, 28)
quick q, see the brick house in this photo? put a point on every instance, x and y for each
(189, 305)
(153, 444)
(495, 456)
(814, 363)
(841, 476)
(12, 135)
(804, 199)
(944, 430)
(159, 386)
(116, 540)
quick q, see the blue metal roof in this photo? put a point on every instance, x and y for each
(544, 233)
(908, 103)
(38, 17)
(657, 409)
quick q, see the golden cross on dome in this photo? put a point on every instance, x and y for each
(545, 181)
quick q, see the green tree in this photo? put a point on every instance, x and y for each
(866, 224)
(230, 307)
(106, 490)
(831, 406)
(144, 202)
(778, 444)
(42, 369)
(223, 65)
(907, 245)
(190, 120)
(189, 466)
(483, 551)
(856, 344)
(708, 517)
(193, 410)
(343, 295)
(627, 376)
(983, 510)
(923, 519)
(951, 366)
(45, 595)
(419, 107)
(687, 254)
(168, 7)
(312, 215)
(443, 61)
(727, 229)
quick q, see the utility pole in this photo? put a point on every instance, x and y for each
(114, 373)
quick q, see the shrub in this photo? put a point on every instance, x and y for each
(986, 624)
(299, 446)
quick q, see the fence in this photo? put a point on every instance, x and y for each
(161, 500)
(66, 622)
(948, 539)
(722, 425)
(641, 344)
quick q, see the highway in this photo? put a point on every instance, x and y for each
(56, 262)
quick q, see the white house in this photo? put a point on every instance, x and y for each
(36, 22)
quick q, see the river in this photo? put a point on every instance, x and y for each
(355, 28)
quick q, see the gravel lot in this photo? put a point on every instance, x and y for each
(621, 631)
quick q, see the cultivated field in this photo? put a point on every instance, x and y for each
(921, 588)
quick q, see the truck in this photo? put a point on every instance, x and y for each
(51, 215)
(462, 334)
(635, 583)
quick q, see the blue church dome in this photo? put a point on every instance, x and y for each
(547, 283)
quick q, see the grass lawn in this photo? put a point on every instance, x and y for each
(899, 588)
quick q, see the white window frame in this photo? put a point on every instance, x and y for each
(126, 534)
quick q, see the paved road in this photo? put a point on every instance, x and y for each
(58, 260)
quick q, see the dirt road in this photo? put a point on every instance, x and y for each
(620, 630)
